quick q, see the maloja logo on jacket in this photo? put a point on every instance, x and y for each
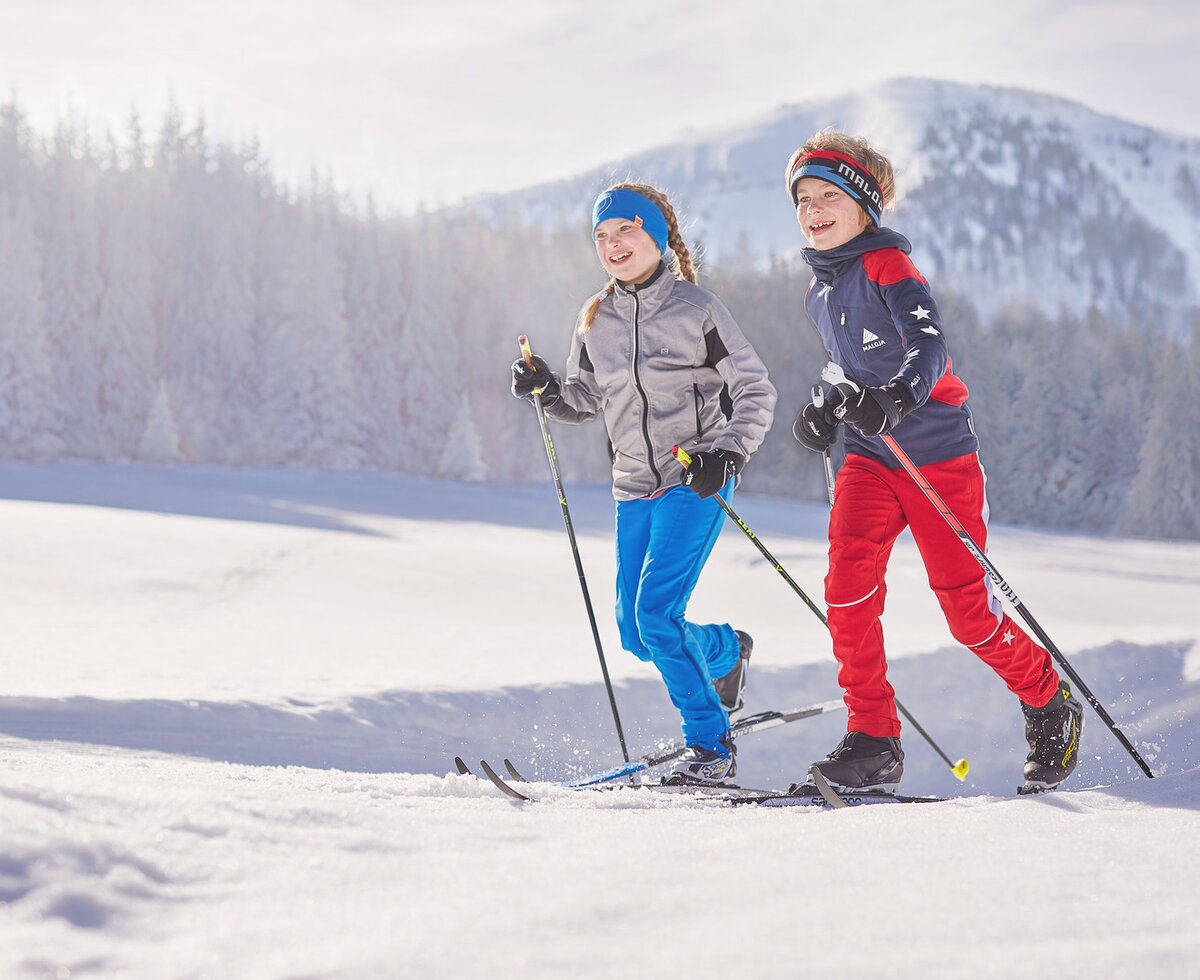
(871, 341)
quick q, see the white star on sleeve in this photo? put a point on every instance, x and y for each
(920, 312)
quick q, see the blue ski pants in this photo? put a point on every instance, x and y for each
(662, 544)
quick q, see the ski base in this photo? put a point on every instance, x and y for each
(812, 796)
(728, 794)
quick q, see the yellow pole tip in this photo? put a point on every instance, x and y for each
(960, 769)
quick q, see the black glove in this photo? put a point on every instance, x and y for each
(875, 411)
(710, 470)
(525, 379)
(816, 428)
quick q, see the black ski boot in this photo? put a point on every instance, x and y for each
(731, 688)
(863, 763)
(1053, 734)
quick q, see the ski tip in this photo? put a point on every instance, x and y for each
(831, 796)
(462, 767)
(960, 769)
(500, 784)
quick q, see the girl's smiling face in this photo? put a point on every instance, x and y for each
(625, 251)
(828, 216)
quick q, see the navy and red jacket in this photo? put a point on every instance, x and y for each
(877, 319)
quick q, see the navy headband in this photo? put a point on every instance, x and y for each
(632, 206)
(846, 173)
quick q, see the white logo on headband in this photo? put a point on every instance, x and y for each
(859, 181)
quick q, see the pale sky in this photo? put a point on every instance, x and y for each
(433, 100)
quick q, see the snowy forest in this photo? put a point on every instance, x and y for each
(163, 297)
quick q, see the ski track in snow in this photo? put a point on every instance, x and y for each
(174, 803)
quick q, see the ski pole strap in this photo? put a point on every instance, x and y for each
(681, 456)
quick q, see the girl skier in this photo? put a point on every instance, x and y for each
(667, 365)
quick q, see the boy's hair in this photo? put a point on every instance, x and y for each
(855, 147)
(682, 266)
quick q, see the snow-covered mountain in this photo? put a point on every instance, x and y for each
(1007, 194)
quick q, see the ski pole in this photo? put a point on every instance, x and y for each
(960, 767)
(837, 377)
(818, 400)
(527, 354)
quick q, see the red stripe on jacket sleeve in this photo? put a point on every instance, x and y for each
(950, 388)
(887, 266)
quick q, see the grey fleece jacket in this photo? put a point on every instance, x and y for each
(659, 360)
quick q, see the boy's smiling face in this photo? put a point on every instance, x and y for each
(828, 216)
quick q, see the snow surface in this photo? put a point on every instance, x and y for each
(231, 699)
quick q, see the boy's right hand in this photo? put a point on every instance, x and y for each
(526, 379)
(815, 427)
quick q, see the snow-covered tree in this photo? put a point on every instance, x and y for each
(429, 344)
(208, 297)
(373, 289)
(1163, 501)
(29, 428)
(160, 438)
(462, 454)
(71, 288)
(309, 409)
(127, 342)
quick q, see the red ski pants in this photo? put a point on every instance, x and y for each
(872, 505)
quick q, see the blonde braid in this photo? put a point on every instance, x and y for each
(592, 306)
(682, 266)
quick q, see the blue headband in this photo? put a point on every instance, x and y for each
(635, 207)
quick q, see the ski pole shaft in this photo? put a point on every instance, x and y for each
(960, 767)
(685, 460)
(818, 399)
(836, 376)
(527, 354)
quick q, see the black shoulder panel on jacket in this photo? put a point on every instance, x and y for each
(585, 362)
(715, 346)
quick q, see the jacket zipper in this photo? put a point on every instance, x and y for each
(637, 384)
(698, 400)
